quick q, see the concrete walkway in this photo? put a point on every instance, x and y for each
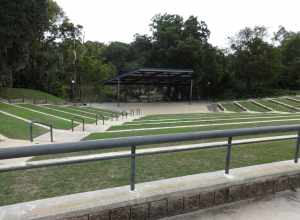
(284, 205)
(60, 136)
(162, 107)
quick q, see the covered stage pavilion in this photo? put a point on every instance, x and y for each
(154, 77)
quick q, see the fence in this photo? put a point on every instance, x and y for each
(41, 123)
(133, 142)
(81, 119)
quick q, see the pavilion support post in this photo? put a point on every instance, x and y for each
(191, 91)
(118, 93)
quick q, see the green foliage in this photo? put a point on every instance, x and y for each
(44, 50)
(17, 93)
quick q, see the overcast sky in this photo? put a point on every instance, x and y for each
(119, 20)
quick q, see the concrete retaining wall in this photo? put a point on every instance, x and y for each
(155, 200)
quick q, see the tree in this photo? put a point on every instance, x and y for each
(290, 51)
(21, 23)
(256, 63)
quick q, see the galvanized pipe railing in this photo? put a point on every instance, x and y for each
(133, 142)
(41, 123)
(81, 119)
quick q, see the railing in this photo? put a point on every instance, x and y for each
(124, 114)
(135, 112)
(102, 117)
(81, 119)
(133, 142)
(41, 123)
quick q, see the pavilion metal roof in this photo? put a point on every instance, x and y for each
(153, 76)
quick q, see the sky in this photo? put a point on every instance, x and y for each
(118, 20)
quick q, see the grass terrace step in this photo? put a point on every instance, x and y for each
(252, 107)
(105, 113)
(17, 129)
(128, 126)
(232, 107)
(62, 180)
(174, 130)
(204, 117)
(275, 106)
(40, 108)
(34, 116)
(74, 114)
(290, 102)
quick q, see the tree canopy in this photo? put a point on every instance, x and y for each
(40, 48)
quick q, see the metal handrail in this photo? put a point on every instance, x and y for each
(81, 119)
(133, 142)
(41, 123)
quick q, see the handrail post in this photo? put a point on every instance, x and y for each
(96, 119)
(103, 118)
(297, 148)
(228, 155)
(133, 169)
(72, 122)
(83, 124)
(30, 131)
(51, 133)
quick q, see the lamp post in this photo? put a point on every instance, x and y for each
(73, 88)
(208, 89)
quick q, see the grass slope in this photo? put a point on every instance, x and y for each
(17, 129)
(232, 107)
(290, 102)
(33, 116)
(252, 107)
(275, 106)
(105, 135)
(208, 122)
(20, 186)
(87, 117)
(15, 93)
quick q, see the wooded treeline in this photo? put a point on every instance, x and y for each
(40, 48)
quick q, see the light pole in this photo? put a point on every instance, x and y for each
(73, 88)
(208, 89)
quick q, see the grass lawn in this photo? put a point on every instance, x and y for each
(40, 108)
(190, 115)
(17, 129)
(15, 93)
(87, 117)
(20, 186)
(232, 107)
(27, 114)
(98, 111)
(275, 106)
(200, 117)
(158, 131)
(290, 102)
(203, 122)
(252, 107)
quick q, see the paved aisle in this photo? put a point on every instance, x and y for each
(282, 206)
